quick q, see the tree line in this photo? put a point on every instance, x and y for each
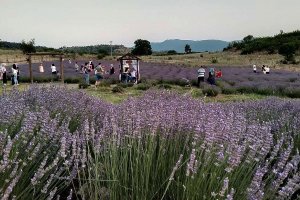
(285, 44)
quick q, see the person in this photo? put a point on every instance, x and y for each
(125, 72)
(81, 69)
(263, 69)
(219, 74)
(112, 69)
(70, 62)
(53, 71)
(86, 74)
(14, 77)
(76, 67)
(254, 68)
(211, 76)
(18, 74)
(201, 74)
(41, 68)
(3, 74)
(99, 74)
(267, 69)
(133, 76)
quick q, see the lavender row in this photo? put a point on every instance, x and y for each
(50, 137)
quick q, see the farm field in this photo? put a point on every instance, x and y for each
(155, 140)
(234, 80)
(160, 145)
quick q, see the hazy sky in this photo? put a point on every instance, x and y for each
(57, 23)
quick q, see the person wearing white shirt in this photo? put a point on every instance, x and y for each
(3, 73)
(14, 75)
(254, 68)
(201, 74)
(53, 69)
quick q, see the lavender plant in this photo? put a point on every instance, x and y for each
(58, 143)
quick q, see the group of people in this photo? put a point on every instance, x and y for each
(212, 74)
(15, 74)
(128, 74)
(265, 69)
(89, 68)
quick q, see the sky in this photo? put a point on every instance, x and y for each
(57, 23)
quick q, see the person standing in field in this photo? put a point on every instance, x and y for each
(201, 74)
(76, 67)
(3, 74)
(254, 68)
(53, 71)
(14, 78)
(86, 74)
(18, 74)
(99, 74)
(112, 69)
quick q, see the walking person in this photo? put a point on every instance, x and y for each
(201, 74)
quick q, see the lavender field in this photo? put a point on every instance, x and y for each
(57, 143)
(232, 76)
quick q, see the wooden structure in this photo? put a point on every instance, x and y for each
(133, 62)
(60, 55)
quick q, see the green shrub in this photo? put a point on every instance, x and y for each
(228, 90)
(246, 90)
(125, 85)
(73, 80)
(165, 86)
(83, 85)
(219, 83)
(292, 93)
(210, 91)
(100, 56)
(117, 89)
(143, 86)
(214, 60)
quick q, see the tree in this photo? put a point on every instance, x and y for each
(187, 48)
(248, 38)
(28, 47)
(288, 50)
(142, 47)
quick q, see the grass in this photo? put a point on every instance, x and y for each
(105, 93)
(224, 59)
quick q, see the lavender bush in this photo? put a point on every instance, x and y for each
(58, 143)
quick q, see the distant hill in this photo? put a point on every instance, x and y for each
(197, 46)
(17, 46)
(251, 44)
(91, 49)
